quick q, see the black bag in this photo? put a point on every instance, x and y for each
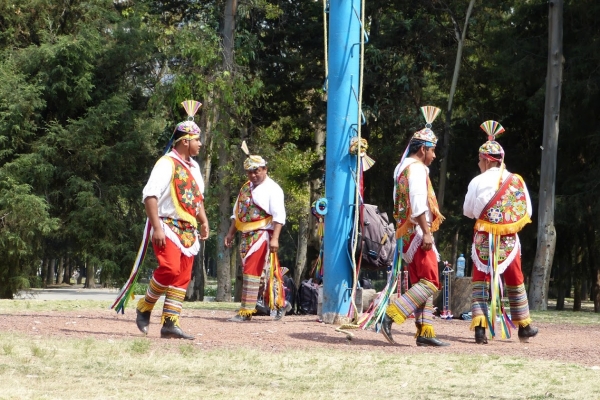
(308, 297)
(290, 293)
(377, 239)
(366, 283)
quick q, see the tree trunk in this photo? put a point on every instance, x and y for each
(223, 260)
(60, 271)
(50, 272)
(316, 191)
(67, 271)
(195, 290)
(577, 295)
(596, 291)
(90, 276)
(540, 276)
(302, 246)
(584, 289)
(209, 121)
(223, 253)
(44, 272)
(460, 37)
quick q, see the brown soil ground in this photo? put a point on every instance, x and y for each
(564, 343)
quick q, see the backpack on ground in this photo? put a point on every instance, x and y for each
(307, 298)
(290, 293)
(366, 283)
(377, 239)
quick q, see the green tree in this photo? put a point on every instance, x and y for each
(86, 139)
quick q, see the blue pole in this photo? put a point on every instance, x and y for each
(342, 117)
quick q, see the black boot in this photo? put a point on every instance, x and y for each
(262, 309)
(171, 331)
(430, 341)
(480, 337)
(142, 320)
(526, 332)
(386, 328)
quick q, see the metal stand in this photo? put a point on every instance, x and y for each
(447, 272)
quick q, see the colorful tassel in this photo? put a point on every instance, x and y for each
(497, 310)
(430, 113)
(191, 107)
(275, 286)
(492, 128)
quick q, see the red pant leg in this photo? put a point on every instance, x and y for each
(513, 276)
(174, 268)
(479, 276)
(424, 266)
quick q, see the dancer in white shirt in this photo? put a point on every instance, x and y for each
(500, 203)
(174, 202)
(259, 213)
(417, 216)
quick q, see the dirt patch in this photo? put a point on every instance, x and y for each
(565, 343)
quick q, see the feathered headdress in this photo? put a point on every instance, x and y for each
(492, 149)
(188, 128)
(425, 135)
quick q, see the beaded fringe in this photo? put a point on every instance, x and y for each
(426, 331)
(394, 313)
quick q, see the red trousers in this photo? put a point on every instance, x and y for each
(424, 266)
(174, 268)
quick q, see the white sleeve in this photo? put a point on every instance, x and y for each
(470, 199)
(529, 205)
(159, 180)
(277, 205)
(417, 183)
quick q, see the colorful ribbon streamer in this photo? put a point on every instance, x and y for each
(126, 292)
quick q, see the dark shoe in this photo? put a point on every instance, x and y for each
(262, 309)
(526, 332)
(480, 337)
(240, 318)
(386, 328)
(171, 331)
(279, 313)
(430, 341)
(142, 320)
